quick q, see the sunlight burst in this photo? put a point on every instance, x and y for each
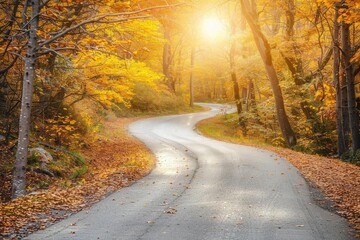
(212, 27)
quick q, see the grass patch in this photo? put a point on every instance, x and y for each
(223, 128)
(78, 172)
(130, 113)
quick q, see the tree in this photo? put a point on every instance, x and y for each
(192, 72)
(344, 74)
(340, 123)
(19, 181)
(251, 15)
(232, 54)
(234, 79)
(294, 62)
(350, 84)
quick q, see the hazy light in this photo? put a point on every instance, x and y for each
(212, 27)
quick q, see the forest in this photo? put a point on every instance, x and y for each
(291, 67)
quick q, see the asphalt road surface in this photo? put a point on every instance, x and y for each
(204, 189)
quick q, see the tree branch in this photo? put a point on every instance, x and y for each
(102, 17)
(322, 65)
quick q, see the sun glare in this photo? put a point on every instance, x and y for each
(212, 27)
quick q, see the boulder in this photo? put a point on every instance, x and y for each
(43, 156)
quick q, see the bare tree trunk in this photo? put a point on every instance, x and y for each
(350, 83)
(19, 178)
(179, 69)
(265, 52)
(192, 77)
(342, 146)
(169, 79)
(251, 101)
(236, 92)
(342, 117)
(244, 95)
(344, 110)
(238, 101)
(233, 68)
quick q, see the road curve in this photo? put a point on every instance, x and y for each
(204, 189)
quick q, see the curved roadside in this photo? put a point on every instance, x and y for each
(115, 160)
(335, 183)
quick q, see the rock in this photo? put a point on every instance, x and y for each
(43, 156)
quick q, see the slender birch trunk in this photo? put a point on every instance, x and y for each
(19, 174)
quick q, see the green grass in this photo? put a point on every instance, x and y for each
(223, 128)
(178, 110)
(78, 172)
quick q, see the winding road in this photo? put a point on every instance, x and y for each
(204, 189)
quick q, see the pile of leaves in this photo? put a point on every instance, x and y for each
(114, 161)
(338, 180)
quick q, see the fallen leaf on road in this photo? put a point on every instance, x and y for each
(171, 211)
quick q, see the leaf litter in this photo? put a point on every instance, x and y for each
(115, 160)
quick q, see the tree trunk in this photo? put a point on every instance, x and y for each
(192, 77)
(19, 174)
(336, 78)
(344, 110)
(265, 52)
(238, 101)
(350, 84)
(179, 69)
(250, 97)
(233, 69)
(169, 79)
(244, 95)
(236, 93)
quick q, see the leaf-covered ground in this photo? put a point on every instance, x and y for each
(115, 160)
(337, 180)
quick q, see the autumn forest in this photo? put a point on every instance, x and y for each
(291, 68)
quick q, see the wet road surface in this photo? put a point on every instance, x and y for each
(204, 189)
